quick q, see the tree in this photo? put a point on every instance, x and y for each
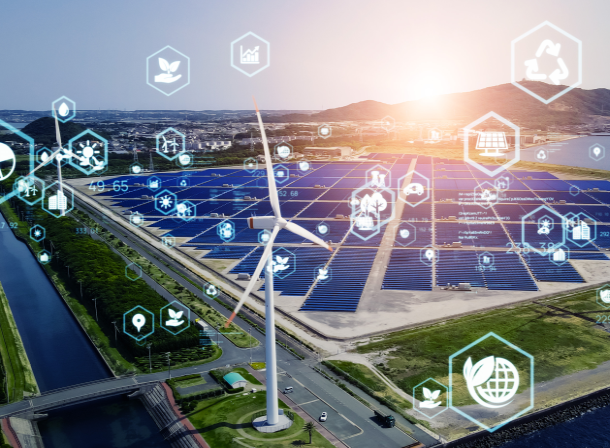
(310, 428)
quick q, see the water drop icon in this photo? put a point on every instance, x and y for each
(64, 110)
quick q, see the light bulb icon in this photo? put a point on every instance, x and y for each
(138, 321)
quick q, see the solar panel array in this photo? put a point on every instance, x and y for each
(322, 194)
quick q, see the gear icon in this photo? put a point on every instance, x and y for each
(558, 74)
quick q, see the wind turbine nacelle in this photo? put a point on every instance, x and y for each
(262, 222)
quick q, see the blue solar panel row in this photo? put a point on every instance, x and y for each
(406, 272)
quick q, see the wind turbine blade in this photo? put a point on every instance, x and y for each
(295, 228)
(57, 133)
(256, 275)
(275, 203)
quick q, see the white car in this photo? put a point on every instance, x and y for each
(323, 417)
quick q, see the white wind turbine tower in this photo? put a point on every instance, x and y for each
(271, 422)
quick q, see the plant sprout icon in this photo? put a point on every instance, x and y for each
(88, 153)
(430, 396)
(280, 264)
(545, 228)
(169, 69)
(174, 316)
(166, 202)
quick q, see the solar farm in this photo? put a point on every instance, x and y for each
(384, 278)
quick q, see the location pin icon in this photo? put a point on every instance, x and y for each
(138, 320)
(429, 254)
(596, 151)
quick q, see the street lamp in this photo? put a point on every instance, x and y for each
(169, 368)
(115, 331)
(94, 301)
(149, 358)
(250, 341)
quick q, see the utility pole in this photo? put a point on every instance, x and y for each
(217, 334)
(115, 331)
(250, 341)
(149, 358)
(80, 282)
(94, 301)
(169, 367)
(151, 167)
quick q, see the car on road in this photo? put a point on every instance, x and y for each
(288, 390)
(323, 417)
(253, 390)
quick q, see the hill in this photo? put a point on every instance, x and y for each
(42, 131)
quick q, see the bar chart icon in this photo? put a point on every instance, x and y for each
(248, 56)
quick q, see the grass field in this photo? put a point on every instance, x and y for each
(560, 343)
(243, 372)
(220, 420)
(17, 368)
(258, 365)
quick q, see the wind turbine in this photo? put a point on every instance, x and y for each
(273, 224)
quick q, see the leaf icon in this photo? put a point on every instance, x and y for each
(174, 66)
(163, 64)
(427, 393)
(482, 371)
(172, 313)
(467, 369)
(178, 315)
(435, 394)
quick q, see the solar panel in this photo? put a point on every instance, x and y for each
(491, 141)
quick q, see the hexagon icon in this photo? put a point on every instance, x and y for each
(250, 54)
(44, 154)
(64, 109)
(597, 152)
(435, 135)
(429, 255)
(250, 165)
(542, 155)
(363, 225)
(153, 183)
(502, 183)
(406, 234)
(55, 202)
(486, 262)
(388, 123)
(430, 398)
(548, 229)
(168, 70)
(175, 317)
(325, 131)
(304, 166)
(136, 219)
(226, 230)
(7, 155)
(29, 189)
(485, 194)
(416, 191)
(488, 374)
(281, 173)
(136, 168)
(38, 233)
(263, 237)
(133, 271)
(183, 182)
(603, 296)
(165, 202)
(138, 323)
(89, 152)
(283, 262)
(186, 210)
(375, 202)
(491, 142)
(210, 290)
(44, 256)
(170, 143)
(379, 177)
(574, 191)
(322, 274)
(323, 229)
(283, 151)
(549, 54)
(581, 229)
(185, 160)
(168, 240)
(559, 254)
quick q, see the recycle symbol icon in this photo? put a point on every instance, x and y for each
(532, 64)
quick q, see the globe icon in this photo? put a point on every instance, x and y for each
(492, 382)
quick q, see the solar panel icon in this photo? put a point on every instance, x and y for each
(492, 143)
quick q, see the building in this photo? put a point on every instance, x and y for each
(234, 380)
(332, 151)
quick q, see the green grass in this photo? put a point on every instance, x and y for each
(258, 365)
(17, 368)
(218, 419)
(247, 375)
(560, 346)
(190, 382)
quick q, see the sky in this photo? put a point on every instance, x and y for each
(324, 53)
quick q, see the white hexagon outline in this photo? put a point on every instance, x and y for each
(44, 251)
(506, 178)
(150, 179)
(378, 167)
(188, 71)
(260, 237)
(577, 190)
(486, 204)
(285, 179)
(375, 190)
(206, 285)
(483, 267)
(64, 160)
(598, 298)
(325, 125)
(468, 347)
(226, 240)
(423, 258)
(139, 338)
(131, 167)
(187, 218)
(397, 231)
(512, 62)
(161, 153)
(320, 234)
(169, 193)
(316, 273)
(591, 155)
(374, 231)
(277, 156)
(299, 166)
(523, 224)
(188, 165)
(500, 168)
(552, 250)
(72, 109)
(131, 218)
(579, 214)
(42, 189)
(69, 196)
(44, 233)
(388, 128)
(255, 165)
(284, 273)
(444, 408)
(188, 317)
(138, 272)
(168, 240)
(400, 189)
(250, 33)
(74, 163)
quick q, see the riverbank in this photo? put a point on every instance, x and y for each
(20, 380)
